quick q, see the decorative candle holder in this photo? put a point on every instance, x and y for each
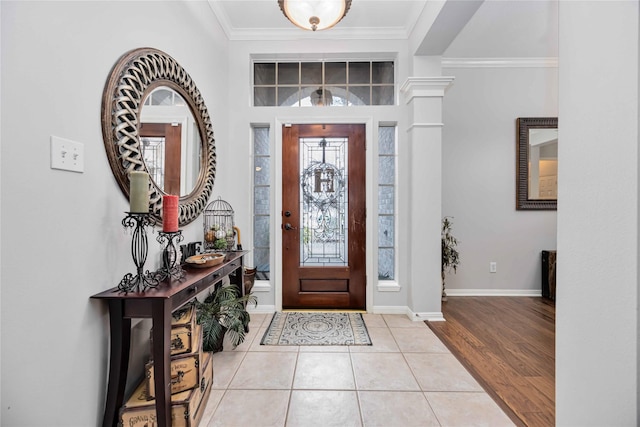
(139, 250)
(170, 264)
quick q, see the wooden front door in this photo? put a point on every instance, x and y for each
(161, 145)
(323, 217)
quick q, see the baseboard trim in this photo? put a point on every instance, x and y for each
(391, 309)
(494, 293)
(261, 286)
(429, 317)
(415, 317)
(261, 309)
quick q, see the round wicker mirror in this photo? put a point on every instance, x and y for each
(135, 75)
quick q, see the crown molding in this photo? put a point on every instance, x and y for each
(425, 87)
(549, 62)
(424, 126)
(294, 33)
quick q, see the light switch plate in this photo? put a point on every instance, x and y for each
(67, 155)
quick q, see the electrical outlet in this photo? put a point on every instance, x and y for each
(67, 155)
(493, 267)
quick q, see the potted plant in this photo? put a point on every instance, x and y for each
(224, 311)
(450, 255)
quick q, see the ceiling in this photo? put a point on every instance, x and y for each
(453, 28)
(367, 19)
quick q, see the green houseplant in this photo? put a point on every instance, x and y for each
(450, 255)
(222, 312)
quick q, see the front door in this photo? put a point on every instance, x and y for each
(161, 149)
(323, 217)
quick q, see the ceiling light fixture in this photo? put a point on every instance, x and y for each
(314, 14)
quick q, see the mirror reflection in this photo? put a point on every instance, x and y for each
(170, 141)
(543, 164)
(537, 163)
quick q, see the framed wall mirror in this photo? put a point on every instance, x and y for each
(154, 119)
(537, 163)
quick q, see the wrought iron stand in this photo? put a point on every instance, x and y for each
(139, 250)
(170, 264)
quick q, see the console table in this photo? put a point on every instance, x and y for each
(157, 304)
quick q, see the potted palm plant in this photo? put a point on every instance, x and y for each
(222, 312)
(450, 255)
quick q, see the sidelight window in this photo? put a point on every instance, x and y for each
(261, 202)
(386, 202)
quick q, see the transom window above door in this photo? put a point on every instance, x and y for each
(317, 84)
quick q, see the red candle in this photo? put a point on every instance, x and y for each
(169, 213)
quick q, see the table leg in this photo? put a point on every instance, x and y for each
(118, 362)
(161, 314)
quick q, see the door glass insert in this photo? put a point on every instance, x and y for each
(323, 202)
(153, 149)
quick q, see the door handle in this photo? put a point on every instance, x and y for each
(288, 226)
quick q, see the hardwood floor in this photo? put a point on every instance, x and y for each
(508, 345)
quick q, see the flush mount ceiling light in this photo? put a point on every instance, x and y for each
(314, 14)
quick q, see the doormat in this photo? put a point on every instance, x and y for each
(316, 328)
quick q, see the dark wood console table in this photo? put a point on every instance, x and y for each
(157, 304)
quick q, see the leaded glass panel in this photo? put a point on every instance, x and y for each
(386, 195)
(297, 84)
(382, 95)
(359, 95)
(323, 201)
(261, 141)
(385, 230)
(162, 97)
(386, 202)
(359, 73)
(261, 172)
(338, 95)
(387, 170)
(311, 73)
(264, 74)
(264, 96)
(335, 73)
(261, 261)
(386, 140)
(261, 232)
(261, 200)
(382, 72)
(386, 264)
(288, 96)
(288, 73)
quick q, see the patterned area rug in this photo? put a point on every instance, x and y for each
(316, 328)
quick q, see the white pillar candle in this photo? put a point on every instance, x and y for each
(139, 192)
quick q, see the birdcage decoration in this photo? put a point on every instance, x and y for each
(219, 226)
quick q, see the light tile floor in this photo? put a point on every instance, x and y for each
(406, 378)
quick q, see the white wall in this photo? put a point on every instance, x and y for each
(61, 235)
(479, 169)
(597, 330)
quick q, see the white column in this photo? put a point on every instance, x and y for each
(424, 97)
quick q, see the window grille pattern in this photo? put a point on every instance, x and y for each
(306, 84)
(261, 202)
(386, 202)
